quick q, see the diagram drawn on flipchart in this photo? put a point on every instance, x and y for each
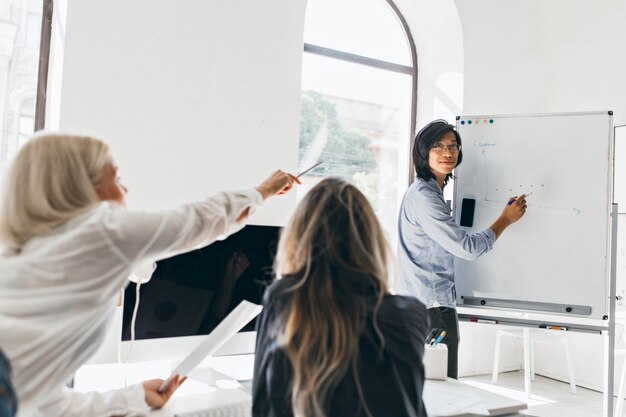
(557, 255)
(493, 193)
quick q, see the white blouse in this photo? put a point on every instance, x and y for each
(57, 296)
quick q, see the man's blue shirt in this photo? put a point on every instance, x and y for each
(429, 239)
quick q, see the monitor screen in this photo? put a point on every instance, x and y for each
(190, 293)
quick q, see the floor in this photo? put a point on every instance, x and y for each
(549, 398)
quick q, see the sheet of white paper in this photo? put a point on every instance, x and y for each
(208, 375)
(443, 402)
(231, 324)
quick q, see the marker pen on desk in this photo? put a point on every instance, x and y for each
(441, 336)
(435, 337)
(431, 336)
(475, 320)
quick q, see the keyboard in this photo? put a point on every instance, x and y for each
(238, 409)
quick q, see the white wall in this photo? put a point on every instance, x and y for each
(436, 31)
(539, 56)
(193, 97)
(534, 56)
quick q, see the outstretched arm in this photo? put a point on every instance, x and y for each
(278, 183)
(135, 236)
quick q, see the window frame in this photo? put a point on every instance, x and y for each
(44, 64)
(383, 65)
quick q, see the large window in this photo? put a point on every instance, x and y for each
(20, 40)
(358, 98)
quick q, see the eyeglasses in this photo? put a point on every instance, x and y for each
(439, 148)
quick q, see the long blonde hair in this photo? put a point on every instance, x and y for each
(51, 180)
(335, 245)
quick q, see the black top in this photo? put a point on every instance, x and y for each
(8, 399)
(392, 383)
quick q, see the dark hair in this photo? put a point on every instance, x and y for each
(424, 140)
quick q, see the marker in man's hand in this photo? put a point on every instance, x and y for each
(514, 199)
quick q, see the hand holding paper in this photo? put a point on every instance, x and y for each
(232, 323)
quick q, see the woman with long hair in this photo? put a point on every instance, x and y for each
(332, 340)
(69, 248)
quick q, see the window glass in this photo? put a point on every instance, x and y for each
(19, 63)
(356, 120)
(32, 33)
(363, 27)
(26, 123)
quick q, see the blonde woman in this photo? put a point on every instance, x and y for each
(332, 341)
(69, 246)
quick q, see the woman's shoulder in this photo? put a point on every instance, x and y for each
(403, 314)
(84, 227)
(94, 215)
(403, 304)
(279, 286)
(278, 293)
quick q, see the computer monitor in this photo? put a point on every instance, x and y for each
(190, 293)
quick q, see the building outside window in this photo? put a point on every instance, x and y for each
(357, 112)
(20, 32)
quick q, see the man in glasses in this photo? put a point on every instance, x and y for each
(429, 238)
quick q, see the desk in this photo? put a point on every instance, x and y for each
(453, 398)
(193, 402)
(449, 398)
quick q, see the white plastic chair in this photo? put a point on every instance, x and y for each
(529, 339)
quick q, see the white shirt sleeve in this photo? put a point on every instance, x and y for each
(129, 401)
(135, 236)
(59, 304)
